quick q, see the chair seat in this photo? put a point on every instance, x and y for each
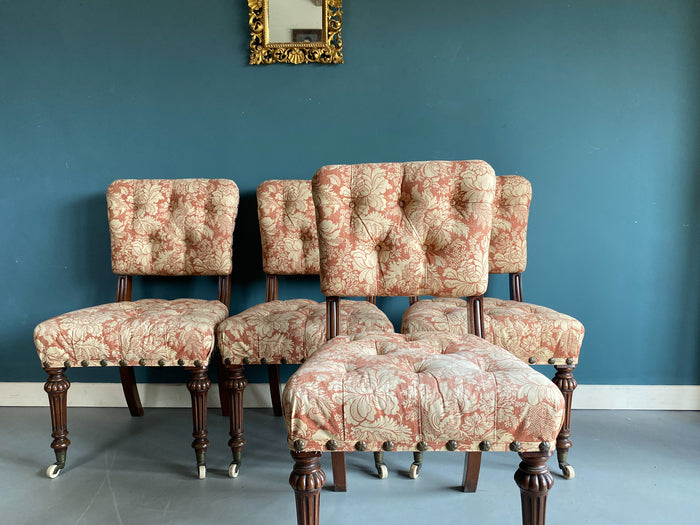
(423, 391)
(532, 333)
(291, 331)
(149, 332)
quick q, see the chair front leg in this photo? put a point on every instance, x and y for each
(564, 379)
(307, 480)
(199, 387)
(235, 384)
(534, 480)
(56, 387)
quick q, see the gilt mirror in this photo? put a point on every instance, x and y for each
(295, 31)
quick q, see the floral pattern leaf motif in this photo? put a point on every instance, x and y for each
(508, 247)
(172, 227)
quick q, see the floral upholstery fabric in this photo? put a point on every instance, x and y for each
(508, 249)
(291, 330)
(172, 227)
(423, 388)
(417, 228)
(149, 332)
(288, 227)
(532, 333)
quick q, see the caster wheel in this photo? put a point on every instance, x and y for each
(568, 472)
(53, 471)
(201, 471)
(382, 472)
(233, 470)
(414, 471)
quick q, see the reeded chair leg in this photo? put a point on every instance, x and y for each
(382, 471)
(307, 480)
(199, 387)
(131, 393)
(534, 480)
(235, 384)
(564, 379)
(273, 375)
(56, 387)
(472, 467)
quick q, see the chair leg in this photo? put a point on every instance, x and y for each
(414, 470)
(534, 480)
(131, 393)
(340, 483)
(56, 387)
(224, 395)
(273, 374)
(564, 379)
(382, 471)
(307, 480)
(235, 384)
(472, 466)
(199, 387)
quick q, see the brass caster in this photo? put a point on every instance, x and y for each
(233, 469)
(414, 470)
(201, 471)
(53, 471)
(382, 471)
(567, 471)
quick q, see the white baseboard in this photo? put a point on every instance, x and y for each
(154, 395)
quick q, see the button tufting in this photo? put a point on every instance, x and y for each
(378, 248)
(425, 247)
(402, 203)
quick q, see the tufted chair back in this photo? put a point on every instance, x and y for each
(172, 227)
(288, 227)
(508, 250)
(415, 228)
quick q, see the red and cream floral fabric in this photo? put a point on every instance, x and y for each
(134, 333)
(288, 227)
(508, 250)
(291, 330)
(425, 387)
(172, 227)
(418, 228)
(526, 330)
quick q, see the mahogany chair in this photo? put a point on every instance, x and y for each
(283, 331)
(402, 230)
(158, 228)
(533, 333)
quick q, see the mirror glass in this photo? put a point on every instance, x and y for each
(295, 31)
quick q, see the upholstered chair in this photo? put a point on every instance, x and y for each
(283, 331)
(157, 228)
(533, 333)
(419, 228)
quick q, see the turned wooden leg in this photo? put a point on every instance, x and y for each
(199, 387)
(273, 374)
(307, 479)
(472, 467)
(131, 393)
(235, 384)
(564, 379)
(224, 396)
(56, 387)
(534, 479)
(340, 483)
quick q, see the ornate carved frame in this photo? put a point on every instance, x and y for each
(329, 51)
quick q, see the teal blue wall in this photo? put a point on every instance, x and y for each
(597, 102)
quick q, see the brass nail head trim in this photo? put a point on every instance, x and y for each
(360, 446)
(246, 360)
(569, 360)
(515, 446)
(67, 364)
(451, 445)
(552, 361)
(284, 360)
(544, 446)
(532, 360)
(142, 362)
(181, 362)
(84, 363)
(263, 361)
(485, 446)
(422, 446)
(331, 444)
(161, 362)
(103, 362)
(228, 361)
(299, 445)
(388, 446)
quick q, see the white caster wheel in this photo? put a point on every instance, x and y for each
(568, 472)
(414, 471)
(53, 471)
(233, 470)
(201, 471)
(382, 472)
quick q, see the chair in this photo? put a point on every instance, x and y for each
(282, 332)
(158, 228)
(401, 230)
(535, 334)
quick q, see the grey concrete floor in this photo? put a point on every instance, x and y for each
(631, 467)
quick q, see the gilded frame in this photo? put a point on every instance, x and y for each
(328, 51)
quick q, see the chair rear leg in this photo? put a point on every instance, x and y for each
(56, 387)
(307, 480)
(564, 379)
(472, 467)
(382, 472)
(273, 374)
(131, 393)
(340, 483)
(534, 480)
(224, 395)
(199, 387)
(235, 384)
